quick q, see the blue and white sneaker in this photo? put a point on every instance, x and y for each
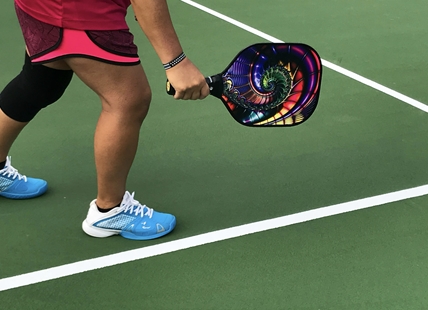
(131, 220)
(14, 185)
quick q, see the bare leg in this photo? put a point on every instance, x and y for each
(125, 96)
(9, 131)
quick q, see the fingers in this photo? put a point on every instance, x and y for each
(188, 81)
(186, 95)
(205, 91)
(194, 93)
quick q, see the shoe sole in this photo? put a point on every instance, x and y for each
(103, 233)
(40, 192)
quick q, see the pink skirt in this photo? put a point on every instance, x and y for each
(46, 43)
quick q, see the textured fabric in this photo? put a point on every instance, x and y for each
(79, 14)
(119, 42)
(4, 183)
(117, 222)
(46, 42)
(38, 35)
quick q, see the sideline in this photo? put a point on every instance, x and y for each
(390, 92)
(211, 237)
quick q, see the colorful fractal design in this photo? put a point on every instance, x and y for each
(272, 84)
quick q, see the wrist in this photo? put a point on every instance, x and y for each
(175, 61)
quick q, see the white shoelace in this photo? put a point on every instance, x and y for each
(129, 203)
(11, 172)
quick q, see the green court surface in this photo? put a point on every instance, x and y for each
(195, 161)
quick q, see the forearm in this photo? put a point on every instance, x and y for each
(154, 18)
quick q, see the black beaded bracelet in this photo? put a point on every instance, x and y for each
(174, 62)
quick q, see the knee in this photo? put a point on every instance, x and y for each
(139, 109)
(33, 89)
(133, 106)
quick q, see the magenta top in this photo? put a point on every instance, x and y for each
(79, 14)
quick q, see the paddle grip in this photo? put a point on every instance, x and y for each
(214, 83)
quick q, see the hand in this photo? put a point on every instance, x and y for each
(188, 81)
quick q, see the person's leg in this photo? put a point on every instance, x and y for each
(32, 89)
(9, 131)
(125, 96)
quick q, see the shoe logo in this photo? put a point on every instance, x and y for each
(144, 226)
(159, 228)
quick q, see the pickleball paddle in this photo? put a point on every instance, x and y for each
(269, 84)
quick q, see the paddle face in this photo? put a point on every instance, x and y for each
(269, 84)
(272, 84)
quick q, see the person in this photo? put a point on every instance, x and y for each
(91, 39)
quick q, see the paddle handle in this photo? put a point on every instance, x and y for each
(215, 83)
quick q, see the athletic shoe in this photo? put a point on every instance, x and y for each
(131, 220)
(14, 185)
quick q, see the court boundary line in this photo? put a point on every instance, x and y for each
(359, 78)
(206, 238)
(232, 232)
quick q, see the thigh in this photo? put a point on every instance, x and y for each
(57, 64)
(119, 86)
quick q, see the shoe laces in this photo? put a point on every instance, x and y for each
(11, 172)
(129, 204)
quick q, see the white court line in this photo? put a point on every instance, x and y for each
(233, 232)
(211, 237)
(417, 104)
